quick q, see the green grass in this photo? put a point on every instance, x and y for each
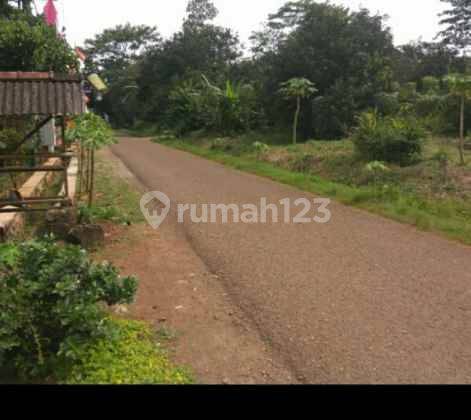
(399, 200)
(115, 199)
(132, 357)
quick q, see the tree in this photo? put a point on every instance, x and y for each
(457, 19)
(9, 8)
(112, 51)
(200, 47)
(92, 133)
(345, 54)
(298, 88)
(26, 46)
(115, 54)
(199, 12)
(460, 86)
(414, 61)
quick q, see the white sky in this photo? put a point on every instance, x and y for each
(409, 19)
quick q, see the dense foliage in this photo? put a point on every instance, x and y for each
(456, 19)
(199, 79)
(51, 299)
(395, 140)
(27, 45)
(91, 131)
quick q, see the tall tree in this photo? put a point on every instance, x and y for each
(346, 54)
(414, 61)
(199, 12)
(199, 47)
(112, 51)
(457, 22)
(115, 54)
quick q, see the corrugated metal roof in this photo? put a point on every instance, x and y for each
(40, 94)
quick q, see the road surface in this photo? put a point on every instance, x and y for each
(360, 299)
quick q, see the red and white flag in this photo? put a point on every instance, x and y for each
(80, 54)
(50, 13)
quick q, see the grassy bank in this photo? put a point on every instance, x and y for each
(115, 199)
(421, 195)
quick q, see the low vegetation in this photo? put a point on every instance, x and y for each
(115, 200)
(51, 299)
(131, 356)
(55, 326)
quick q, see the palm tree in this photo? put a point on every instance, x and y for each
(298, 88)
(460, 86)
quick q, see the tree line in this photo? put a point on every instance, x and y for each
(200, 78)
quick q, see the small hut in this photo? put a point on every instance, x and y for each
(44, 96)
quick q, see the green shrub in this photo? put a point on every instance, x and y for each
(387, 103)
(111, 213)
(131, 356)
(394, 140)
(430, 85)
(9, 138)
(378, 172)
(408, 92)
(260, 148)
(51, 302)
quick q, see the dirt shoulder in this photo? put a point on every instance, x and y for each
(188, 305)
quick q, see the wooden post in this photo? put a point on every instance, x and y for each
(92, 178)
(461, 144)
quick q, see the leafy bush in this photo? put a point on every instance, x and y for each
(9, 138)
(377, 170)
(51, 302)
(130, 356)
(408, 92)
(260, 147)
(430, 85)
(92, 131)
(434, 112)
(33, 46)
(93, 214)
(387, 103)
(394, 140)
(198, 104)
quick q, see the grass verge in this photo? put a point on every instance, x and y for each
(115, 199)
(447, 216)
(131, 357)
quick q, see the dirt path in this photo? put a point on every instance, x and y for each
(358, 300)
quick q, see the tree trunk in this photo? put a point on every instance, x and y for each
(92, 178)
(82, 158)
(461, 144)
(87, 175)
(296, 118)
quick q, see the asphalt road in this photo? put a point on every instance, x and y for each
(360, 299)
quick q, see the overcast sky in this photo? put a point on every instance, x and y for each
(409, 19)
